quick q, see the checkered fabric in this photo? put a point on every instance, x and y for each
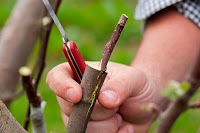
(189, 8)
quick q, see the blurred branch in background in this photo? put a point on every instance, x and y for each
(16, 43)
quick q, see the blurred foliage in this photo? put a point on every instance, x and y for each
(175, 89)
(90, 24)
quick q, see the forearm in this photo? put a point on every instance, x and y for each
(169, 47)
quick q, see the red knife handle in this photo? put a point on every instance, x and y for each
(77, 57)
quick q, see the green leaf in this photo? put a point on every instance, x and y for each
(185, 86)
(169, 93)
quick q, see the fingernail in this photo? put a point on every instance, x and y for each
(130, 129)
(111, 95)
(69, 95)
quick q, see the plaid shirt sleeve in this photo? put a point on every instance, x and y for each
(189, 8)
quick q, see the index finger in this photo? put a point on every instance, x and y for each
(61, 81)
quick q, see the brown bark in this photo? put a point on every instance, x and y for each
(112, 42)
(91, 84)
(31, 93)
(8, 124)
(175, 109)
(16, 43)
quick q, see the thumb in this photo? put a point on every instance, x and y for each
(120, 85)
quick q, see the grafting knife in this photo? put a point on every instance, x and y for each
(70, 49)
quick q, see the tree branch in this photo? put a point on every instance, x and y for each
(32, 96)
(8, 123)
(37, 117)
(14, 96)
(91, 83)
(194, 106)
(111, 44)
(175, 109)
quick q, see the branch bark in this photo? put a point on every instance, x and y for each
(16, 43)
(8, 124)
(111, 44)
(32, 96)
(175, 109)
(91, 83)
(37, 117)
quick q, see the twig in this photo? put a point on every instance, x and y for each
(194, 106)
(36, 106)
(175, 109)
(42, 56)
(15, 95)
(111, 44)
(91, 83)
(33, 98)
(27, 118)
(41, 60)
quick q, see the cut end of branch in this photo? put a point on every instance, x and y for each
(123, 20)
(25, 71)
(112, 42)
(94, 66)
(45, 21)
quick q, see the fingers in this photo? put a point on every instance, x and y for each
(98, 113)
(60, 81)
(107, 126)
(121, 82)
(65, 106)
(110, 125)
(101, 113)
(126, 129)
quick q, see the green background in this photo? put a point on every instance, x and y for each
(90, 24)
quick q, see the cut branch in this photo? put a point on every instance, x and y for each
(91, 83)
(111, 44)
(37, 117)
(33, 98)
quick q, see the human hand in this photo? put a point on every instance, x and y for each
(118, 108)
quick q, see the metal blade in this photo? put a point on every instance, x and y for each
(55, 19)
